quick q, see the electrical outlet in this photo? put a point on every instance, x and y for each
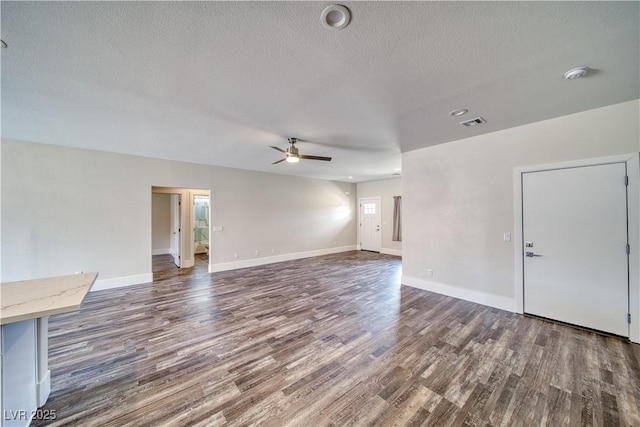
(257, 253)
(235, 255)
(429, 271)
(273, 250)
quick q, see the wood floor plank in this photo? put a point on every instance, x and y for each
(325, 341)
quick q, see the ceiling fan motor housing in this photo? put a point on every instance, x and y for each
(292, 155)
(292, 151)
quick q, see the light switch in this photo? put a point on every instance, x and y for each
(506, 237)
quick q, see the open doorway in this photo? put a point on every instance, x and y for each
(201, 215)
(181, 219)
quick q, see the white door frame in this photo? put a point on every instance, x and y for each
(633, 211)
(185, 261)
(175, 246)
(377, 198)
(186, 221)
(204, 193)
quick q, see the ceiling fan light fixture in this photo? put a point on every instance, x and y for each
(292, 155)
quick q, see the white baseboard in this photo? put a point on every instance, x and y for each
(254, 262)
(161, 251)
(119, 282)
(479, 297)
(389, 251)
(44, 388)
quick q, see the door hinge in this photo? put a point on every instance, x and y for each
(628, 249)
(626, 180)
(628, 317)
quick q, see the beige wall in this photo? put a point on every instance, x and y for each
(385, 189)
(458, 197)
(160, 223)
(67, 209)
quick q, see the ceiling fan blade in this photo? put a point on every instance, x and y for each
(279, 149)
(326, 159)
(274, 163)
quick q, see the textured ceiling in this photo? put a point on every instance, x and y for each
(218, 82)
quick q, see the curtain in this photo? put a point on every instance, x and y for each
(397, 219)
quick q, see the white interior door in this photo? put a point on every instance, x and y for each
(370, 236)
(176, 240)
(575, 246)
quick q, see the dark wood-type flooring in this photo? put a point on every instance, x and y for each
(333, 340)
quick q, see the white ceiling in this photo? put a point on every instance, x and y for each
(219, 82)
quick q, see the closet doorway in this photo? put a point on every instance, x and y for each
(201, 227)
(180, 228)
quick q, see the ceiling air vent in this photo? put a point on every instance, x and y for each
(473, 122)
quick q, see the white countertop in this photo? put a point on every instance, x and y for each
(31, 299)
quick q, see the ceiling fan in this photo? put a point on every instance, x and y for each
(293, 156)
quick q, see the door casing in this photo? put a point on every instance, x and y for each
(176, 229)
(576, 222)
(186, 221)
(378, 234)
(633, 206)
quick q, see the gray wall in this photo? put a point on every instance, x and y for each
(68, 209)
(160, 223)
(459, 200)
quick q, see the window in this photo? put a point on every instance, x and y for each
(369, 208)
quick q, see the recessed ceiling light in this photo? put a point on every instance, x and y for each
(458, 112)
(2, 43)
(350, 177)
(576, 73)
(335, 16)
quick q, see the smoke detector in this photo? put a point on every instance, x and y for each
(576, 73)
(473, 122)
(335, 16)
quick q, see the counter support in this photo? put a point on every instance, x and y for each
(25, 307)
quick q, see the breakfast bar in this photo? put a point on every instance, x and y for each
(25, 307)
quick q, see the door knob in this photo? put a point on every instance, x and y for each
(531, 254)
